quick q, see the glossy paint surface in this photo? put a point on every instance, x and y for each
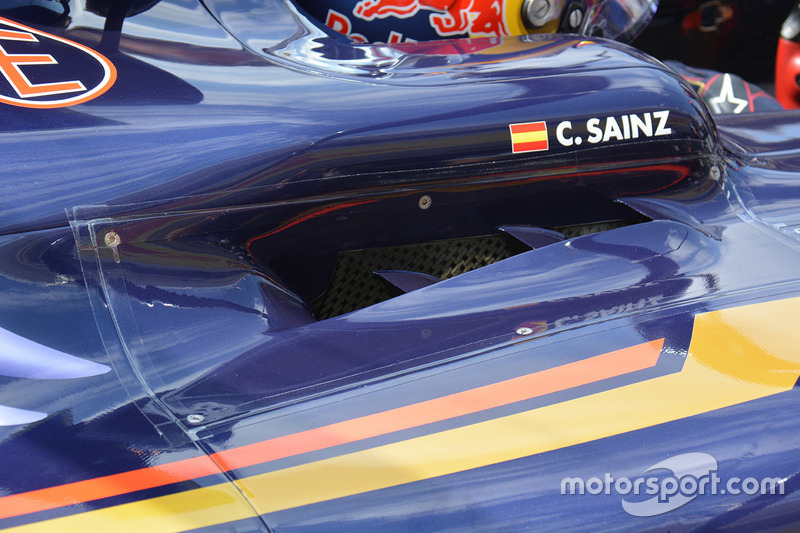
(222, 126)
(160, 366)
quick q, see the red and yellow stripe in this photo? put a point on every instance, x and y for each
(736, 355)
(467, 402)
(529, 137)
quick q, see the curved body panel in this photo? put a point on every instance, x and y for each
(190, 340)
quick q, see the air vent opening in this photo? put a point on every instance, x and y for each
(355, 285)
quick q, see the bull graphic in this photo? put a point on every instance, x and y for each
(477, 18)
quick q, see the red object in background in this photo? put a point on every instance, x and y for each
(787, 69)
(787, 61)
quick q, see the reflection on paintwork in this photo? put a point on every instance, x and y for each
(236, 156)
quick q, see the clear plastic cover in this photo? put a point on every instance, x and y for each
(621, 20)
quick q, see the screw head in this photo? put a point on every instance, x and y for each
(575, 18)
(112, 239)
(425, 201)
(715, 173)
(524, 331)
(537, 13)
(195, 419)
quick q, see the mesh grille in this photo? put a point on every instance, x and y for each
(354, 285)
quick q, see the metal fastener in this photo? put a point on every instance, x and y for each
(715, 173)
(524, 331)
(575, 18)
(425, 202)
(195, 419)
(112, 239)
(537, 13)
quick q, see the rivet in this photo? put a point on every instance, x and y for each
(112, 239)
(524, 331)
(195, 419)
(425, 201)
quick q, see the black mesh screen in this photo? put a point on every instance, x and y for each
(354, 284)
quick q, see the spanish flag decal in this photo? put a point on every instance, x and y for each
(529, 137)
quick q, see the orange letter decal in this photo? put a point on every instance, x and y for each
(26, 90)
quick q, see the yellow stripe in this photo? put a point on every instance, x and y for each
(530, 136)
(735, 356)
(176, 512)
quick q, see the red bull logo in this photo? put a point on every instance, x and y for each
(398, 21)
(450, 18)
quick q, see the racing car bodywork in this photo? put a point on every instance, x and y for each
(196, 196)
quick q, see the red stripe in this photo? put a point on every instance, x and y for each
(314, 213)
(711, 80)
(525, 387)
(530, 146)
(528, 127)
(750, 97)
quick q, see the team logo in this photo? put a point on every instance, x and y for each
(41, 70)
(450, 18)
(421, 19)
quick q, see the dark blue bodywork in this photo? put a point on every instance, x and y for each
(161, 246)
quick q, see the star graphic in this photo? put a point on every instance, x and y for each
(726, 95)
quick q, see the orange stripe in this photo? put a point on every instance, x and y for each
(534, 385)
(106, 486)
(11, 35)
(471, 401)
